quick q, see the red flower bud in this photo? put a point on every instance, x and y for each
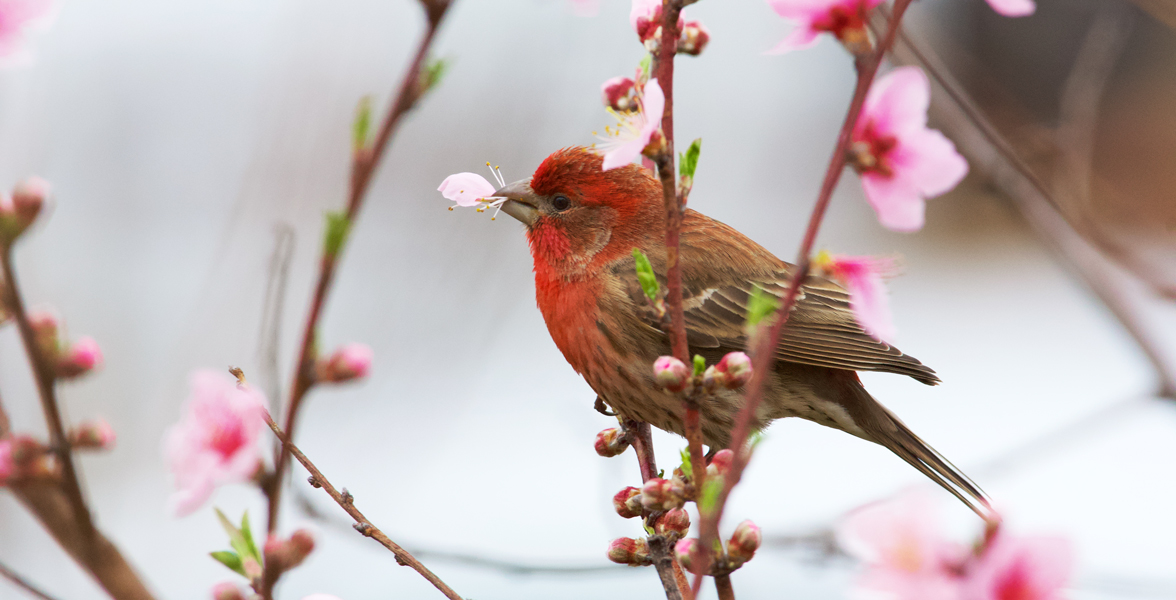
(22, 456)
(352, 361)
(82, 357)
(28, 197)
(227, 591)
(734, 370)
(676, 520)
(96, 434)
(45, 326)
(694, 39)
(617, 94)
(683, 551)
(744, 542)
(720, 463)
(289, 553)
(627, 502)
(659, 494)
(611, 442)
(672, 374)
(628, 551)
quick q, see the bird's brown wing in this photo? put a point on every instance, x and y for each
(721, 267)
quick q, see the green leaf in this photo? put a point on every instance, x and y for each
(247, 534)
(431, 74)
(686, 467)
(236, 538)
(699, 364)
(645, 275)
(688, 161)
(338, 225)
(362, 124)
(760, 305)
(645, 64)
(754, 440)
(710, 494)
(230, 560)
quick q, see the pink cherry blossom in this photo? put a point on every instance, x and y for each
(905, 556)
(216, 442)
(901, 161)
(466, 189)
(97, 434)
(635, 129)
(17, 17)
(1021, 568)
(643, 13)
(617, 93)
(227, 590)
(352, 361)
(811, 18)
(85, 353)
(7, 467)
(1013, 8)
(863, 277)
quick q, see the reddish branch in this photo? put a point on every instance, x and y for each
(362, 525)
(363, 167)
(763, 354)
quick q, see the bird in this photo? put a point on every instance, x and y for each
(582, 224)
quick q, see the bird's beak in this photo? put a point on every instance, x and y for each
(521, 203)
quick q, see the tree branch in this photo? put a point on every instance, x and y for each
(362, 525)
(764, 355)
(20, 582)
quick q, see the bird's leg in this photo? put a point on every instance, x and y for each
(602, 407)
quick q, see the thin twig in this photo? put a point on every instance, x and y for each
(764, 354)
(20, 582)
(641, 438)
(362, 525)
(723, 587)
(364, 165)
(44, 374)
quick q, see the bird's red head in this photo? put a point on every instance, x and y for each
(577, 214)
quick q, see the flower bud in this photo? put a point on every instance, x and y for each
(672, 374)
(351, 361)
(618, 94)
(96, 434)
(27, 199)
(676, 520)
(628, 551)
(720, 463)
(743, 543)
(82, 357)
(227, 591)
(659, 494)
(733, 371)
(289, 553)
(683, 551)
(627, 503)
(694, 38)
(45, 325)
(23, 456)
(7, 466)
(611, 442)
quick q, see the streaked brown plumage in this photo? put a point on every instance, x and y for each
(582, 224)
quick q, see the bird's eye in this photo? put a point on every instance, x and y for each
(561, 203)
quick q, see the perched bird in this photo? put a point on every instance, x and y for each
(582, 225)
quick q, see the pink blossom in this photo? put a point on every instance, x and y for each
(845, 19)
(227, 590)
(1021, 568)
(901, 161)
(643, 13)
(862, 276)
(466, 189)
(635, 129)
(352, 361)
(83, 356)
(617, 93)
(904, 555)
(17, 17)
(7, 466)
(216, 442)
(97, 434)
(1013, 8)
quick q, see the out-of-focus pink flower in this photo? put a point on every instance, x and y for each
(585, 8)
(1013, 8)
(1021, 568)
(96, 434)
(862, 276)
(321, 597)
(227, 590)
(216, 442)
(901, 161)
(635, 129)
(17, 17)
(904, 555)
(683, 550)
(629, 551)
(7, 466)
(744, 542)
(617, 93)
(644, 15)
(720, 463)
(693, 39)
(671, 373)
(845, 19)
(352, 361)
(466, 189)
(83, 356)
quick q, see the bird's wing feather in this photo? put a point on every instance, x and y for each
(721, 268)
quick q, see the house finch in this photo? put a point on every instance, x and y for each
(582, 225)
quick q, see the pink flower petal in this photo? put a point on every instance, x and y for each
(466, 189)
(1022, 568)
(896, 201)
(653, 104)
(1013, 8)
(897, 102)
(642, 8)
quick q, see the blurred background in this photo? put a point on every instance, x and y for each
(194, 147)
